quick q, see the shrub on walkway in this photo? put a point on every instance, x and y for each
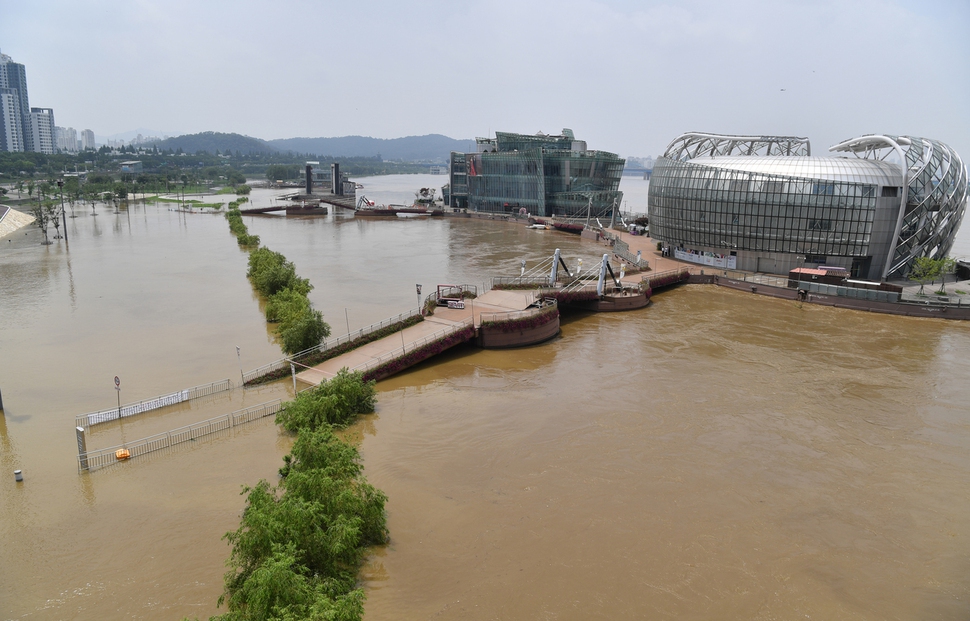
(337, 401)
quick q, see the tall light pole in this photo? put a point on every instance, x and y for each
(60, 186)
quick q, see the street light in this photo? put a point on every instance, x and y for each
(60, 186)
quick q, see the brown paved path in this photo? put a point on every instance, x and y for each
(409, 338)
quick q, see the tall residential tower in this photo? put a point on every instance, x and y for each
(15, 132)
(22, 128)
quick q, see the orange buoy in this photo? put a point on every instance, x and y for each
(122, 454)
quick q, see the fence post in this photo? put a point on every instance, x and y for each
(82, 449)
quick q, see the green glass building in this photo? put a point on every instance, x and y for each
(542, 174)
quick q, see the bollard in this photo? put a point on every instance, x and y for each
(1, 401)
(18, 475)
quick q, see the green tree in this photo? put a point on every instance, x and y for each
(270, 272)
(334, 402)
(298, 547)
(303, 332)
(286, 305)
(945, 266)
(924, 270)
(45, 213)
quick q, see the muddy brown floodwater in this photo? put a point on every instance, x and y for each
(716, 455)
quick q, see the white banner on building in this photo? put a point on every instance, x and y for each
(707, 258)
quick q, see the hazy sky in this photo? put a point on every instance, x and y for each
(627, 76)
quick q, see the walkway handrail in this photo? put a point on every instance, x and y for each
(843, 291)
(402, 351)
(284, 363)
(146, 405)
(106, 456)
(653, 276)
(538, 283)
(458, 290)
(622, 250)
(517, 314)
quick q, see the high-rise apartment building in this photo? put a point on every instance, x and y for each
(22, 128)
(66, 139)
(44, 138)
(15, 132)
(87, 140)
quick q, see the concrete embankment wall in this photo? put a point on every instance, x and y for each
(11, 220)
(494, 337)
(890, 308)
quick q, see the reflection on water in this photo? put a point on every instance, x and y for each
(714, 455)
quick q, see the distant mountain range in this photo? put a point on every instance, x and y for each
(431, 148)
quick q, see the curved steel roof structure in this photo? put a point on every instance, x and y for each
(697, 144)
(934, 196)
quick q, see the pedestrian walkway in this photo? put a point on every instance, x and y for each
(444, 321)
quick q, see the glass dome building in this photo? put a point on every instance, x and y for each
(765, 203)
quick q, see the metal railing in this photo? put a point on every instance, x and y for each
(146, 405)
(856, 293)
(453, 291)
(415, 345)
(518, 281)
(519, 314)
(938, 300)
(622, 250)
(647, 278)
(100, 458)
(328, 344)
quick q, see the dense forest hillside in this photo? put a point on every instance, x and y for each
(429, 148)
(212, 142)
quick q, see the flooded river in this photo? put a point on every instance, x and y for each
(716, 455)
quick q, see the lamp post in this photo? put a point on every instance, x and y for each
(60, 186)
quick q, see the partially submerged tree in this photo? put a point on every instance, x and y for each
(45, 214)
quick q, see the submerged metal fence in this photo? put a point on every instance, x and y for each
(284, 363)
(99, 458)
(146, 405)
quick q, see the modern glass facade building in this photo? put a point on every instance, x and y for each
(545, 175)
(764, 203)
